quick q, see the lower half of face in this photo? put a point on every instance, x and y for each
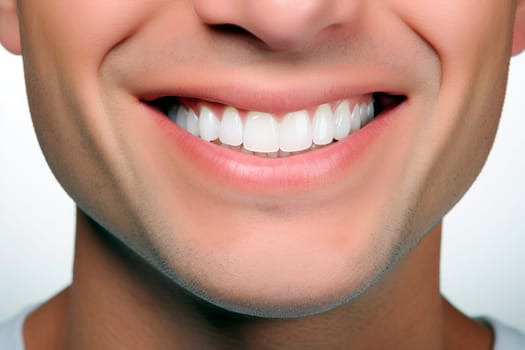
(274, 168)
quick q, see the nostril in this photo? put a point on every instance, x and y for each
(230, 29)
(234, 31)
(280, 25)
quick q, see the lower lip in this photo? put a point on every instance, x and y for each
(250, 173)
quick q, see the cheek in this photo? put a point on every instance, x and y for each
(62, 57)
(457, 28)
(64, 43)
(460, 134)
(457, 134)
(64, 51)
(52, 25)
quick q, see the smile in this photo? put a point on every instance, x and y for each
(270, 135)
(257, 150)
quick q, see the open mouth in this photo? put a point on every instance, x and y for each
(272, 135)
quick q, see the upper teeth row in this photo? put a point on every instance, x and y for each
(263, 132)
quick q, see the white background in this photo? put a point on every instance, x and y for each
(483, 267)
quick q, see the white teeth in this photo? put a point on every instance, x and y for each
(355, 119)
(208, 124)
(263, 135)
(342, 120)
(192, 121)
(363, 111)
(295, 132)
(178, 114)
(324, 126)
(261, 132)
(230, 131)
(371, 111)
(244, 150)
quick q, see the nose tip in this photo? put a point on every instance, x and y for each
(280, 24)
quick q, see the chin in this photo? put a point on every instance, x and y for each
(279, 276)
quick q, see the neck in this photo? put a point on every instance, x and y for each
(117, 301)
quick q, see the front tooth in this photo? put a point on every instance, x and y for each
(342, 120)
(208, 124)
(192, 122)
(324, 125)
(230, 131)
(261, 133)
(355, 119)
(295, 132)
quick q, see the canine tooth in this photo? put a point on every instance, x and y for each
(342, 120)
(295, 132)
(355, 119)
(261, 133)
(324, 127)
(192, 122)
(230, 131)
(208, 124)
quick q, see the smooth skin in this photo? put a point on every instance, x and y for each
(359, 255)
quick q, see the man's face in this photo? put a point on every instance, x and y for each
(285, 236)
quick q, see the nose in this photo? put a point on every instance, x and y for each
(280, 24)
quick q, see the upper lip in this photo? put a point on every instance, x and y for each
(269, 95)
